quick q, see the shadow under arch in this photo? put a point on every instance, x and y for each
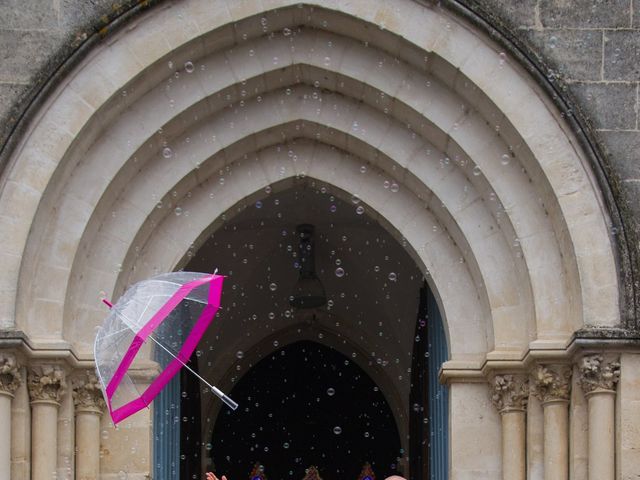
(378, 337)
(307, 404)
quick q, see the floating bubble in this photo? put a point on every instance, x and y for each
(276, 343)
(337, 430)
(273, 287)
(239, 354)
(167, 152)
(363, 169)
(178, 211)
(355, 199)
(339, 272)
(285, 445)
(393, 277)
(394, 187)
(286, 31)
(258, 204)
(333, 209)
(331, 391)
(505, 159)
(208, 446)
(188, 67)
(476, 170)
(359, 209)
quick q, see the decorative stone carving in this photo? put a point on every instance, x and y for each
(87, 395)
(46, 383)
(551, 382)
(598, 373)
(10, 377)
(510, 392)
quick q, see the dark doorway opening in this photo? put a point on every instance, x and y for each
(306, 405)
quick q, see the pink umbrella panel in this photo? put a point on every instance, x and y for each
(172, 310)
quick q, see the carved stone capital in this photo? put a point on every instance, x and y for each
(598, 373)
(10, 376)
(87, 395)
(510, 392)
(46, 383)
(551, 383)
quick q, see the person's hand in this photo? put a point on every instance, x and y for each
(211, 476)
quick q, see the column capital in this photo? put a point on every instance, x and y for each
(87, 395)
(46, 383)
(551, 383)
(10, 376)
(599, 372)
(510, 392)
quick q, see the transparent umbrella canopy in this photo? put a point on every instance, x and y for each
(158, 310)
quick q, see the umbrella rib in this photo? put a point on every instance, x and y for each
(213, 388)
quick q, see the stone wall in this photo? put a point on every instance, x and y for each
(590, 49)
(38, 38)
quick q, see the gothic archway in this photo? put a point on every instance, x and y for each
(135, 159)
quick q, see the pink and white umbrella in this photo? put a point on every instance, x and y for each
(178, 305)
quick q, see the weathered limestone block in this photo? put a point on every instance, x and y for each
(552, 383)
(596, 373)
(10, 377)
(510, 392)
(87, 395)
(46, 383)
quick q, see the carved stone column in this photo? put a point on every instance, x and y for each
(10, 380)
(598, 379)
(510, 395)
(552, 385)
(89, 403)
(46, 386)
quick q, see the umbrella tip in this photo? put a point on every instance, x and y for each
(215, 271)
(107, 303)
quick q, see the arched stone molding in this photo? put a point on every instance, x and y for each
(545, 143)
(164, 249)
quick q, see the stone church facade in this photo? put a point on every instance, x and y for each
(132, 132)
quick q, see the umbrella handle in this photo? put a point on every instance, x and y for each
(220, 394)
